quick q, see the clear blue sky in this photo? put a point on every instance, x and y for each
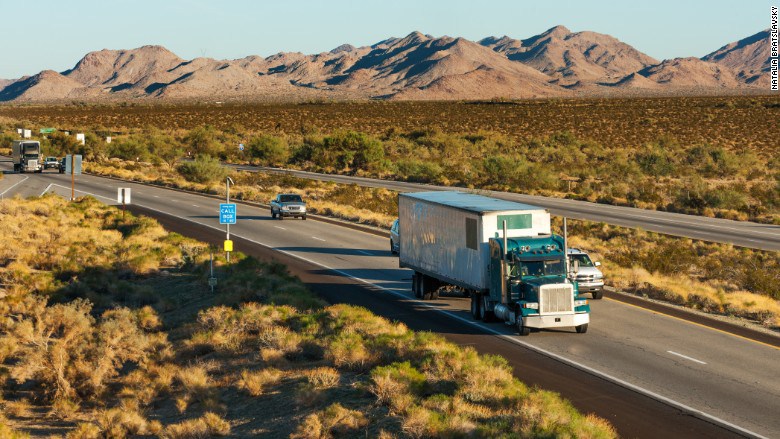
(40, 35)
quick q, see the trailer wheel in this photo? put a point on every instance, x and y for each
(425, 287)
(484, 314)
(475, 302)
(522, 329)
(582, 328)
(416, 287)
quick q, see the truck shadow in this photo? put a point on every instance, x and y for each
(337, 251)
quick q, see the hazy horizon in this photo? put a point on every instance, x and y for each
(62, 33)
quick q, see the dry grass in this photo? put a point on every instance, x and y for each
(207, 425)
(257, 382)
(333, 421)
(323, 377)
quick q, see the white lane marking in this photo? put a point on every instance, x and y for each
(195, 205)
(511, 339)
(686, 357)
(84, 192)
(156, 196)
(365, 252)
(318, 239)
(45, 190)
(13, 186)
(279, 227)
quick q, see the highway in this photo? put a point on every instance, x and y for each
(741, 233)
(648, 373)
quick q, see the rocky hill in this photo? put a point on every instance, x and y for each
(572, 57)
(748, 57)
(557, 62)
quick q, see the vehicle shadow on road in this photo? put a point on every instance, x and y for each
(337, 251)
(392, 279)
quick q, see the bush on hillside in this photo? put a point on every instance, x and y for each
(204, 169)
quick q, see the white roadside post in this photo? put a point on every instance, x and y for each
(123, 196)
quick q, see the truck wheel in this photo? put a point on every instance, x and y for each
(485, 315)
(521, 329)
(475, 300)
(425, 287)
(304, 217)
(598, 294)
(582, 328)
(273, 214)
(416, 285)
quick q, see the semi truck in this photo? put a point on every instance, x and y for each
(500, 253)
(26, 156)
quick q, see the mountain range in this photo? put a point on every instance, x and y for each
(555, 63)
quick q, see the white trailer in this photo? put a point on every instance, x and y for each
(445, 234)
(500, 253)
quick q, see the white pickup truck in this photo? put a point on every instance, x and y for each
(288, 205)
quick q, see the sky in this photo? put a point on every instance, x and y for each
(39, 35)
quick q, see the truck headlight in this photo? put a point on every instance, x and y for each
(531, 305)
(581, 302)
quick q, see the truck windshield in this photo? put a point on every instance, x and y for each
(583, 259)
(543, 268)
(290, 198)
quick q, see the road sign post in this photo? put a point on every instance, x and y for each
(73, 167)
(227, 216)
(212, 279)
(123, 196)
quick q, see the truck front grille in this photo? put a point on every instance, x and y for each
(554, 299)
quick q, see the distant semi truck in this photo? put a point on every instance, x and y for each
(26, 156)
(500, 253)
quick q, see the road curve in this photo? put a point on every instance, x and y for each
(740, 233)
(637, 368)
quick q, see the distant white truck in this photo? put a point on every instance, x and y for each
(26, 156)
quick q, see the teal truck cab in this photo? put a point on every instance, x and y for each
(529, 286)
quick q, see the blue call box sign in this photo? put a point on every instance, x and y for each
(227, 213)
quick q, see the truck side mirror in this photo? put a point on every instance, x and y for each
(597, 264)
(575, 266)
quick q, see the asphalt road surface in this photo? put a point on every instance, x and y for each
(741, 233)
(648, 373)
